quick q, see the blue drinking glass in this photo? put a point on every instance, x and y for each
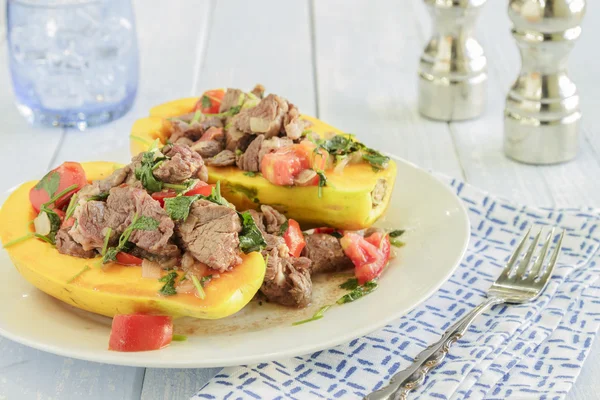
(73, 62)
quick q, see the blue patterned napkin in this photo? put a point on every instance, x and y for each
(532, 350)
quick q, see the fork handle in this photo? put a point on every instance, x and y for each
(411, 378)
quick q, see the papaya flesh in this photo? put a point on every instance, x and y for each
(116, 289)
(345, 202)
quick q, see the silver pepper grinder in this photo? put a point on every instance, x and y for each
(541, 118)
(453, 68)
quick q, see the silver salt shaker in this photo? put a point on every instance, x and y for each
(541, 118)
(453, 67)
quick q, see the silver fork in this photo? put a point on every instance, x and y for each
(514, 285)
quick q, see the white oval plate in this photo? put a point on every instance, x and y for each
(436, 239)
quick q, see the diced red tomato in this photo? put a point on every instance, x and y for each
(214, 97)
(201, 188)
(139, 332)
(294, 239)
(369, 255)
(281, 167)
(128, 259)
(317, 160)
(55, 181)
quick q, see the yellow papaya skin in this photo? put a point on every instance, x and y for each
(116, 289)
(345, 202)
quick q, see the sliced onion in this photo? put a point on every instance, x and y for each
(341, 164)
(305, 177)
(151, 269)
(42, 224)
(186, 286)
(259, 125)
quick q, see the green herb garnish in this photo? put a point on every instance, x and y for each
(318, 315)
(18, 240)
(251, 174)
(377, 160)
(71, 207)
(336, 234)
(251, 238)
(322, 182)
(179, 338)
(178, 207)
(99, 197)
(284, 227)
(350, 284)
(106, 239)
(77, 275)
(343, 145)
(206, 103)
(141, 223)
(196, 117)
(49, 183)
(396, 233)
(396, 242)
(144, 173)
(358, 292)
(168, 288)
(198, 286)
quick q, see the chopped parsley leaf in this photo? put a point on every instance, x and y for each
(350, 284)
(396, 233)
(206, 103)
(77, 275)
(396, 242)
(250, 173)
(199, 288)
(49, 183)
(179, 338)
(358, 292)
(168, 288)
(251, 238)
(178, 207)
(318, 315)
(322, 182)
(284, 227)
(100, 197)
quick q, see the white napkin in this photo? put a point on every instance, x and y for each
(534, 350)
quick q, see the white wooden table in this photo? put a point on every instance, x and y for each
(349, 62)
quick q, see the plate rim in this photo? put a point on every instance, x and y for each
(120, 359)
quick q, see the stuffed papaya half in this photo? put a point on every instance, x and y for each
(101, 243)
(264, 152)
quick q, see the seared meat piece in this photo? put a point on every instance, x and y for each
(66, 245)
(184, 141)
(183, 164)
(223, 159)
(208, 148)
(326, 253)
(237, 140)
(95, 217)
(276, 242)
(104, 185)
(287, 280)
(210, 234)
(183, 129)
(249, 160)
(213, 133)
(274, 219)
(267, 117)
(211, 122)
(273, 144)
(232, 98)
(293, 125)
(258, 91)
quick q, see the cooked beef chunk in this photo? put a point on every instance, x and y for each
(183, 164)
(211, 122)
(276, 242)
(267, 117)
(249, 160)
(208, 148)
(258, 91)
(104, 185)
(378, 193)
(237, 140)
(66, 245)
(95, 217)
(326, 253)
(287, 280)
(183, 129)
(273, 144)
(213, 133)
(293, 125)
(232, 98)
(223, 159)
(184, 141)
(210, 234)
(274, 219)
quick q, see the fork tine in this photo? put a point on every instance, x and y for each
(516, 253)
(520, 271)
(553, 258)
(537, 267)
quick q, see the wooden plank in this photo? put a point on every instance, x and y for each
(266, 41)
(26, 373)
(170, 38)
(367, 56)
(283, 64)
